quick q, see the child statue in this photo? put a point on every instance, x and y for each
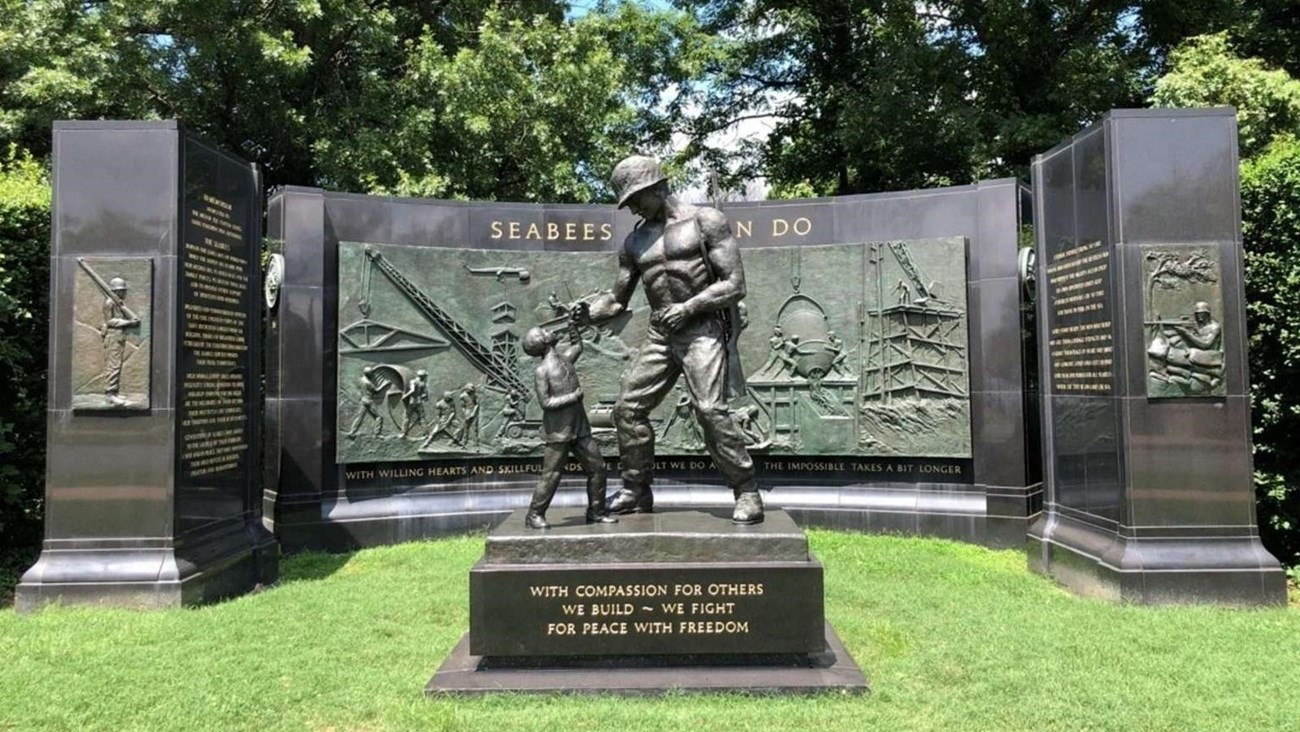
(565, 428)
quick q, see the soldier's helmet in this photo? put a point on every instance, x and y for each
(470, 388)
(117, 284)
(368, 370)
(535, 341)
(1201, 307)
(635, 174)
(422, 373)
(447, 396)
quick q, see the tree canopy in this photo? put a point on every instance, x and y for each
(528, 99)
(884, 94)
(1206, 72)
(457, 98)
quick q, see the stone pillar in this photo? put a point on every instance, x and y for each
(1005, 437)
(1142, 337)
(301, 342)
(152, 479)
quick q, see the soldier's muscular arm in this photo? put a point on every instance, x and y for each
(723, 253)
(1204, 338)
(611, 304)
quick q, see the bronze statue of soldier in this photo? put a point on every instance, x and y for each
(689, 263)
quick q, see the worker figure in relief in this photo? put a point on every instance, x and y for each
(372, 392)
(413, 399)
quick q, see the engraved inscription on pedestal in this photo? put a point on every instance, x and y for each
(1182, 309)
(669, 583)
(676, 609)
(1082, 344)
(111, 333)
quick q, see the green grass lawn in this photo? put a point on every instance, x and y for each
(952, 637)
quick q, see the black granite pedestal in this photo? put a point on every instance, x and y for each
(1147, 456)
(674, 600)
(152, 483)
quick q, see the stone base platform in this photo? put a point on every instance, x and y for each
(682, 582)
(833, 670)
(673, 535)
(230, 560)
(679, 599)
(1175, 566)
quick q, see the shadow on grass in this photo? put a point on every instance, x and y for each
(312, 565)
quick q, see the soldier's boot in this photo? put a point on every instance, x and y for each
(598, 515)
(535, 520)
(749, 506)
(633, 498)
(596, 511)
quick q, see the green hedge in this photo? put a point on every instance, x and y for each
(1270, 208)
(24, 285)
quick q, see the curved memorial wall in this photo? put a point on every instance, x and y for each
(881, 342)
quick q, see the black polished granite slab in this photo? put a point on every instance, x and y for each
(680, 582)
(314, 502)
(677, 535)
(137, 512)
(832, 671)
(1147, 498)
(681, 599)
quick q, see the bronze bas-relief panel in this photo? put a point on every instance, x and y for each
(112, 308)
(854, 349)
(1182, 298)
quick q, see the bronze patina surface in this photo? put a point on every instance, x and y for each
(566, 430)
(840, 359)
(687, 261)
(1183, 301)
(111, 333)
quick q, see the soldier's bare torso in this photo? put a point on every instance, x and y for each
(669, 259)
